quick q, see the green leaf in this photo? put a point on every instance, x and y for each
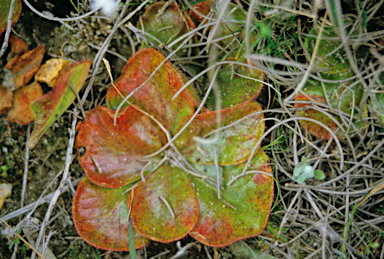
(113, 154)
(166, 25)
(101, 216)
(234, 142)
(302, 172)
(233, 22)
(319, 175)
(337, 62)
(164, 207)
(52, 105)
(378, 106)
(244, 207)
(237, 84)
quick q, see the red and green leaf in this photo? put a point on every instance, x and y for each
(338, 96)
(167, 24)
(233, 22)
(101, 216)
(234, 141)
(200, 11)
(4, 11)
(168, 186)
(244, 207)
(236, 84)
(155, 97)
(52, 105)
(113, 154)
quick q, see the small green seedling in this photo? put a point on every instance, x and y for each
(16, 240)
(305, 171)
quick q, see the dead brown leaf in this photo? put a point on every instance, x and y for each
(6, 98)
(21, 112)
(23, 67)
(18, 46)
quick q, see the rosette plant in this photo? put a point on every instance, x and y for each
(335, 89)
(171, 169)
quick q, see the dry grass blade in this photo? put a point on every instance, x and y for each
(25, 241)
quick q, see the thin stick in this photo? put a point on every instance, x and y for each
(120, 21)
(168, 206)
(25, 175)
(59, 19)
(222, 12)
(8, 31)
(189, 121)
(25, 241)
(57, 193)
(311, 64)
(142, 171)
(33, 205)
(96, 164)
(217, 174)
(77, 98)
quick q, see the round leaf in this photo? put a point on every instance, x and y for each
(244, 207)
(234, 142)
(236, 84)
(164, 207)
(337, 93)
(101, 217)
(155, 97)
(337, 61)
(318, 131)
(200, 11)
(166, 25)
(233, 22)
(319, 175)
(113, 153)
(302, 172)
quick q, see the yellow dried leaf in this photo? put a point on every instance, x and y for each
(51, 70)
